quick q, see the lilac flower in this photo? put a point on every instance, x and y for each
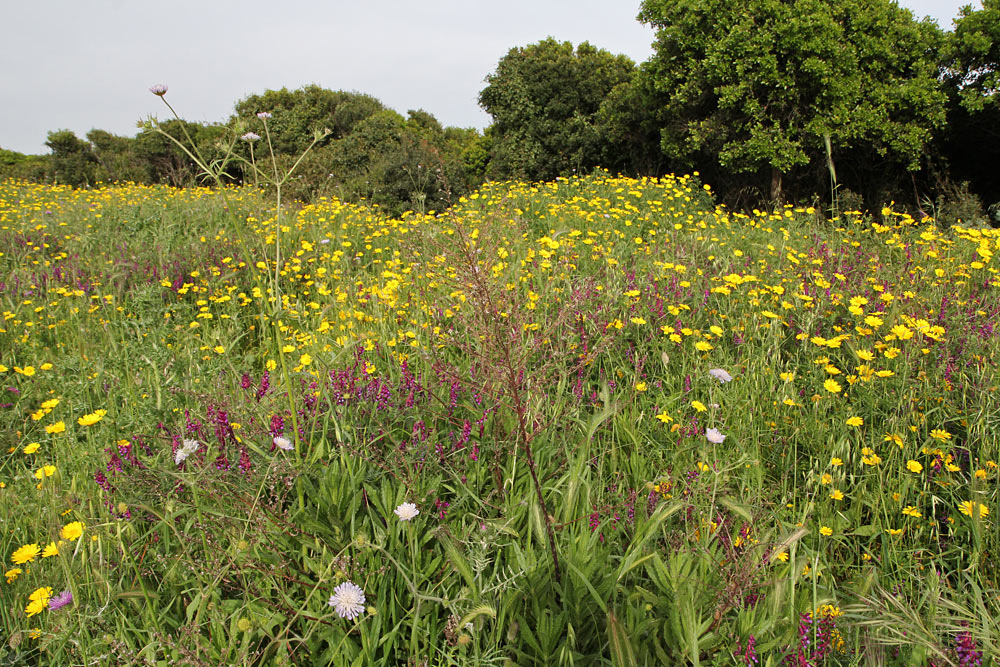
(348, 600)
(60, 600)
(159, 89)
(251, 137)
(714, 436)
(720, 375)
(281, 442)
(263, 115)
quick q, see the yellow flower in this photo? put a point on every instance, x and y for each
(832, 386)
(914, 466)
(50, 550)
(699, 406)
(968, 508)
(940, 434)
(45, 471)
(783, 556)
(836, 462)
(787, 377)
(36, 607)
(288, 349)
(703, 346)
(837, 494)
(31, 448)
(305, 360)
(51, 403)
(25, 554)
(910, 510)
(894, 531)
(92, 418)
(58, 427)
(826, 531)
(641, 386)
(72, 531)
(12, 574)
(218, 349)
(664, 417)
(855, 421)
(27, 371)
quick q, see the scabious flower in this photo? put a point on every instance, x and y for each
(714, 436)
(251, 137)
(281, 442)
(187, 449)
(263, 115)
(159, 89)
(720, 375)
(348, 600)
(406, 511)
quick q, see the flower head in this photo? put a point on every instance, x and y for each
(714, 436)
(159, 89)
(348, 600)
(251, 137)
(26, 554)
(72, 531)
(406, 511)
(187, 449)
(720, 375)
(263, 115)
(60, 600)
(281, 442)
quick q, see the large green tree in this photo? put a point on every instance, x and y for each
(544, 99)
(769, 84)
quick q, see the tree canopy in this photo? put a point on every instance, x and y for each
(765, 83)
(544, 99)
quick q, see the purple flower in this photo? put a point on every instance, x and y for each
(251, 137)
(720, 375)
(263, 115)
(714, 436)
(60, 600)
(159, 89)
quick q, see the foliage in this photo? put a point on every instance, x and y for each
(972, 56)
(544, 99)
(760, 83)
(73, 160)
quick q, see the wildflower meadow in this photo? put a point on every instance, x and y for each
(597, 420)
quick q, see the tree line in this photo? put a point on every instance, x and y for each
(845, 102)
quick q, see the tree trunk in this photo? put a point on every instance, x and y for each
(776, 194)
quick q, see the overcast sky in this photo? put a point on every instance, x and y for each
(80, 65)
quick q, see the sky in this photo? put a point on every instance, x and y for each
(83, 65)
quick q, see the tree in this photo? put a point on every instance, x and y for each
(768, 84)
(73, 161)
(971, 61)
(973, 56)
(297, 114)
(544, 99)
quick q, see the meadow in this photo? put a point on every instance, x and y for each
(598, 420)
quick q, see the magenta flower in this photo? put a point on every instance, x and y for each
(60, 600)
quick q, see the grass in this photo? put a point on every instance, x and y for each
(530, 368)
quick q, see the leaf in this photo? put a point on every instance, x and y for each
(622, 653)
